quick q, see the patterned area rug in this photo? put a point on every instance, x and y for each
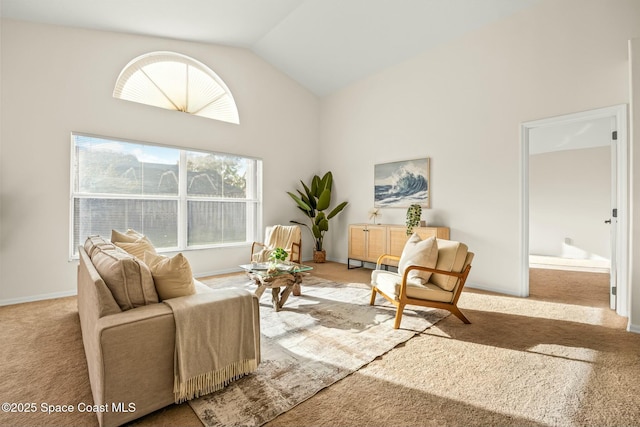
(316, 339)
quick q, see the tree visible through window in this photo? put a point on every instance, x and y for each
(178, 198)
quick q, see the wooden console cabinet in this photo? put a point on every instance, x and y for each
(368, 241)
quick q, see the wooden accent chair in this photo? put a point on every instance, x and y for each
(436, 283)
(287, 237)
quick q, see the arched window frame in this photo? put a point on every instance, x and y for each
(176, 82)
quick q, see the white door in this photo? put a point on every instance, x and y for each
(613, 221)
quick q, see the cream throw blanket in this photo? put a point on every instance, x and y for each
(280, 236)
(215, 341)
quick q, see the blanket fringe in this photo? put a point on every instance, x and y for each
(211, 381)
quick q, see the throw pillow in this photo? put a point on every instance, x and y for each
(128, 278)
(129, 236)
(133, 242)
(418, 252)
(137, 248)
(172, 276)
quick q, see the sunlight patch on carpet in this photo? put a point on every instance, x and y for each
(497, 387)
(532, 308)
(318, 338)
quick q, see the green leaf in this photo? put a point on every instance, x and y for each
(337, 210)
(319, 218)
(324, 200)
(327, 181)
(324, 225)
(310, 199)
(316, 232)
(300, 203)
(315, 182)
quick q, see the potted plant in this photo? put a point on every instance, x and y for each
(276, 256)
(313, 201)
(414, 212)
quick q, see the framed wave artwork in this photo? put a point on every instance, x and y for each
(401, 184)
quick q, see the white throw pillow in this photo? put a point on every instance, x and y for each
(418, 252)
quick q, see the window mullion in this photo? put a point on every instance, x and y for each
(182, 204)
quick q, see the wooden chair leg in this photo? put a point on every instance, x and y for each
(399, 311)
(373, 296)
(456, 312)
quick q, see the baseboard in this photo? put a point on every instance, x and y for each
(41, 297)
(200, 275)
(488, 289)
(633, 328)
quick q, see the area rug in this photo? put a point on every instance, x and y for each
(318, 338)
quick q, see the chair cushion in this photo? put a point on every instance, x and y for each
(451, 257)
(418, 252)
(128, 278)
(172, 276)
(389, 283)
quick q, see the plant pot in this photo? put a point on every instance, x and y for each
(319, 256)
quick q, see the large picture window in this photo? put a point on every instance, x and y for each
(178, 198)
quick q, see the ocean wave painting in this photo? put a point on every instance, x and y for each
(400, 184)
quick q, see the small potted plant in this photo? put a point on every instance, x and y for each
(414, 212)
(277, 255)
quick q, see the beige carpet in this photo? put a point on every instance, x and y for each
(318, 338)
(560, 357)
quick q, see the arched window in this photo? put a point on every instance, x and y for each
(176, 82)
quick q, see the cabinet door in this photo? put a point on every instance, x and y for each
(357, 242)
(376, 242)
(398, 236)
(438, 232)
(397, 239)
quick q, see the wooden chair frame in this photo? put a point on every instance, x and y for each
(294, 256)
(403, 299)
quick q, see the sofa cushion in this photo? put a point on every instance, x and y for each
(451, 257)
(128, 278)
(418, 252)
(172, 276)
(96, 242)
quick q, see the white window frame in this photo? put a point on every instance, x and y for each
(254, 205)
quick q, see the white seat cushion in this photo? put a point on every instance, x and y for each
(389, 283)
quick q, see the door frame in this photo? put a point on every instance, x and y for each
(619, 113)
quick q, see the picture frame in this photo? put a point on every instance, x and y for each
(403, 183)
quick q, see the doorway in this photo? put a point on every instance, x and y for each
(563, 145)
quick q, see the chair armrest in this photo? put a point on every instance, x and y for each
(296, 253)
(253, 246)
(386, 256)
(433, 270)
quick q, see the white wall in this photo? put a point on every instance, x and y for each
(56, 80)
(569, 198)
(462, 105)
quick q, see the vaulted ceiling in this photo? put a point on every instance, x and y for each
(323, 44)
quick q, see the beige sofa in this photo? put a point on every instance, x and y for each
(130, 353)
